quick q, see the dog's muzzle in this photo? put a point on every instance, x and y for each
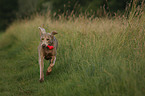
(43, 45)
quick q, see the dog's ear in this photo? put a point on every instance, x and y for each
(53, 33)
(42, 30)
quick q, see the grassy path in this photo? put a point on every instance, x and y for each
(101, 57)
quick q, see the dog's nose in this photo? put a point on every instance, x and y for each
(43, 45)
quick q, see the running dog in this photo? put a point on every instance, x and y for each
(47, 50)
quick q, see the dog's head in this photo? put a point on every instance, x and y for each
(46, 38)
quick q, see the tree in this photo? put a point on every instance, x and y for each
(8, 10)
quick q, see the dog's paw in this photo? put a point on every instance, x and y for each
(48, 73)
(48, 70)
(41, 80)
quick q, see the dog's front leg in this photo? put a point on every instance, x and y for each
(52, 62)
(41, 64)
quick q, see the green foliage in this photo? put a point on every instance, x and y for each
(20, 9)
(29, 7)
(8, 10)
(12, 9)
(96, 7)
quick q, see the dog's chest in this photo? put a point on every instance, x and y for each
(48, 54)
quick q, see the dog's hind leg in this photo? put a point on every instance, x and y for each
(52, 62)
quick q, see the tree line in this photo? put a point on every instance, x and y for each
(13, 9)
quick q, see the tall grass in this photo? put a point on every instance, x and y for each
(100, 57)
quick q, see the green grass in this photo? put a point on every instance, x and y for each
(99, 57)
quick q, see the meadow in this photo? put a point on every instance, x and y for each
(96, 57)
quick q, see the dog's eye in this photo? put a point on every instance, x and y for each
(42, 39)
(47, 39)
